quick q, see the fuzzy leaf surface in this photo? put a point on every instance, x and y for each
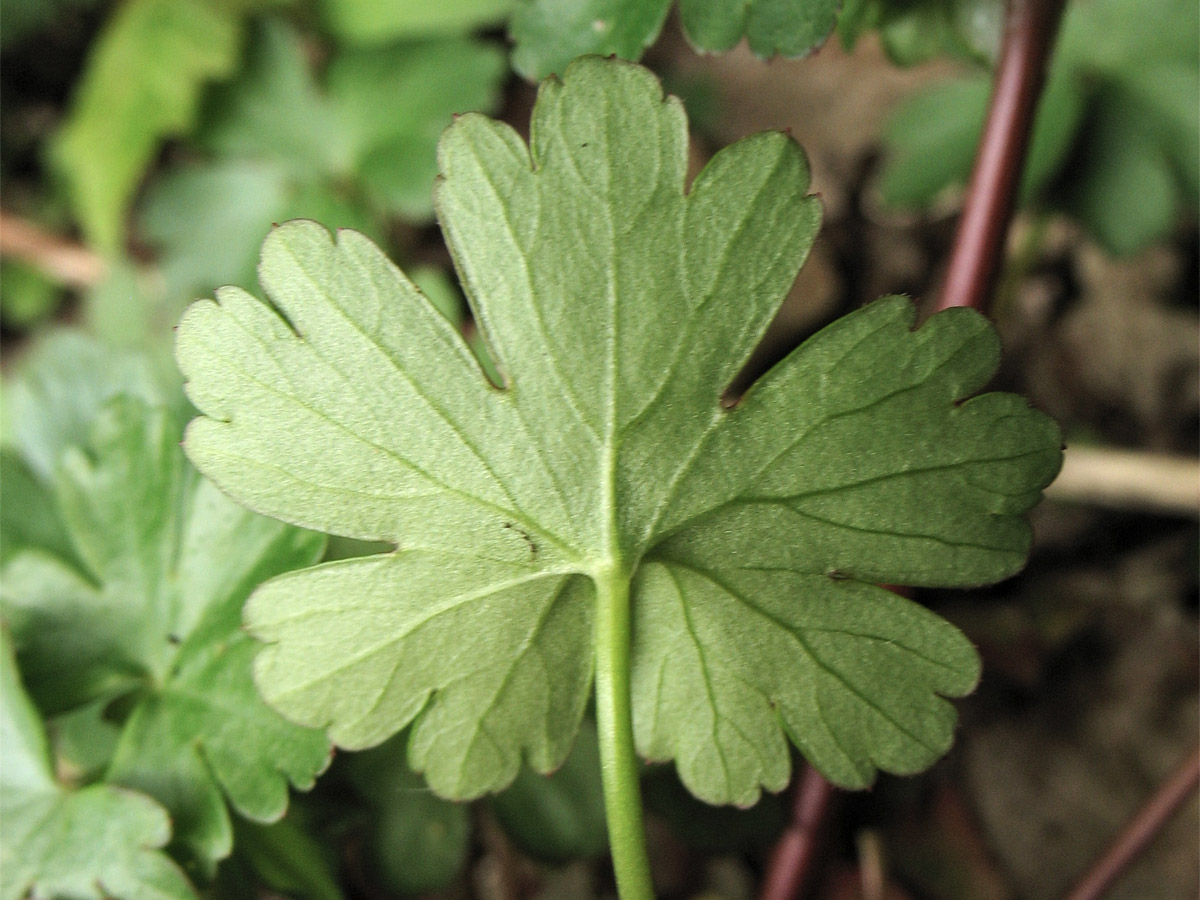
(152, 610)
(95, 843)
(617, 306)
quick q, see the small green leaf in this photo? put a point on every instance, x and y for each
(96, 843)
(286, 147)
(396, 101)
(153, 614)
(28, 515)
(274, 110)
(931, 139)
(549, 33)
(1169, 94)
(26, 295)
(142, 83)
(915, 31)
(784, 27)
(52, 399)
(618, 307)
(1124, 186)
(206, 221)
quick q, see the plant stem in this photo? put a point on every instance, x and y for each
(62, 261)
(1030, 28)
(614, 723)
(1140, 831)
(794, 857)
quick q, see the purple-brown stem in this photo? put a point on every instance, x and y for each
(1139, 832)
(793, 859)
(1029, 31)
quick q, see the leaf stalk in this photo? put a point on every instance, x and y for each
(614, 723)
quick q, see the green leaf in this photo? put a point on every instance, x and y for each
(396, 101)
(96, 843)
(153, 615)
(618, 307)
(931, 140)
(1125, 188)
(83, 743)
(27, 297)
(1168, 94)
(372, 21)
(549, 33)
(59, 388)
(207, 220)
(142, 83)
(285, 147)
(378, 104)
(417, 842)
(28, 516)
(274, 110)
(785, 27)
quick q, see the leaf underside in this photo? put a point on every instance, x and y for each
(617, 305)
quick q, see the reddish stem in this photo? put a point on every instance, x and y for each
(1139, 832)
(793, 859)
(59, 259)
(1030, 28)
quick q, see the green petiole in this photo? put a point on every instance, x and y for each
(614, 723)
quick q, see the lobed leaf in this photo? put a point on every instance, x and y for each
(617, 306)
(548, 34)
(152, 610)
(96, 843)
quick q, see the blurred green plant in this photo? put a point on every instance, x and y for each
(1117, 136)
(142, 613)
(142, 83)
(349, 151)
(548, 34)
